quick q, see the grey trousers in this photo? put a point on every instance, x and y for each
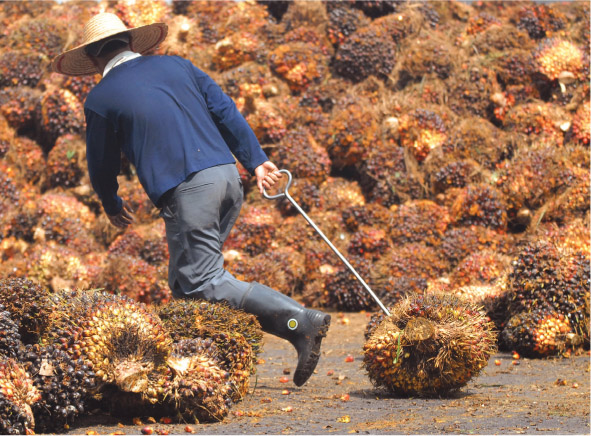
(199, 214)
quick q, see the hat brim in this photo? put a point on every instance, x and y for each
(75, 62)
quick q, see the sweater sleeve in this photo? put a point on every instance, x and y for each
(233, 127)
(103, 157)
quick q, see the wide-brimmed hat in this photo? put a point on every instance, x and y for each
(75, 62)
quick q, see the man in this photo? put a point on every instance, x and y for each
(180, 131)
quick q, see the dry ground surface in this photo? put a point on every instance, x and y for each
(537, 396)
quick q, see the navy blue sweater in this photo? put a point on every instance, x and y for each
(170, 119)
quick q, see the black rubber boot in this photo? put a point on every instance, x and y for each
(284, 317)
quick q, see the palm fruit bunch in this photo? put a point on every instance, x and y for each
(429, 54)
(455, 174)
(302, 155)
(481, 205)
(27, 303)
(66, 162)
(351, 132)
(10, 338)
(581, 121)
(491, 298)
(480, 22)
(530, 178)
(266, 121)
(64, 385)
(254, 230)
(200, 388)
(481, 267)
(80, 86)
(370, 214)
(542, 277)
(540, 333)
(134, 194)
(369, 242)
(415, 260)
(21, 68)
(306, 194)
(17, 395)
(236, 334)
(135, 278)
(344, 292)
(337, 192)
(344, 22)
(542, 123)
(421, 131)
(65, 220)
(418, 221)
(555, 56)
(479, 140)
(299, 64)
(26, 157)
(470, 91)
(570, 204)
(386, 178)
(370, 50)
(122, 341)
(237, 49)
(504, 37)
(46, 35)
(17, 106)
(540, 21)
(376, 8)
(188, 319)
(59, 112)
(282, 269)
(430, 345)
(460, 242)
(142, 12)
(390, 290)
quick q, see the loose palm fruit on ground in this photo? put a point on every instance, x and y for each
(17, 395)
(122, 340)
(63, 382)
(10, 338)
(539, 333)
(480, 204)
(481, 267)
(200, 389)
(27, 303)
(430, 345)
(188, 319)
(418, 221)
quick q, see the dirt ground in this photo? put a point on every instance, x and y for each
(535, 396)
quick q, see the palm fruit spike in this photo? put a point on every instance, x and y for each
(122, 340)
(10, 338)
(200, 389)
(27, 303)
(539, 333)
(430, 345)
(64, 384)
(17, 395)
(188, 319)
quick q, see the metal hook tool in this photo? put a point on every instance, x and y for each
(285, 194)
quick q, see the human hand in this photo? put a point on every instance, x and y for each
(123, 218)
(267, 174)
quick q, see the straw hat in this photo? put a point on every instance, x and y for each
(75, 62)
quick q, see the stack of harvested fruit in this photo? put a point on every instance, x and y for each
(442, 145)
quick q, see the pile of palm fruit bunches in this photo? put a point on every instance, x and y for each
(442, 146)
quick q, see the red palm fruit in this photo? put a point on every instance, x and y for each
(418, 221)
(299, 64)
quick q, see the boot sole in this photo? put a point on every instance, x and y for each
(302, 375)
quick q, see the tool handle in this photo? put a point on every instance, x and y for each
(281, 194)
(285, 194)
